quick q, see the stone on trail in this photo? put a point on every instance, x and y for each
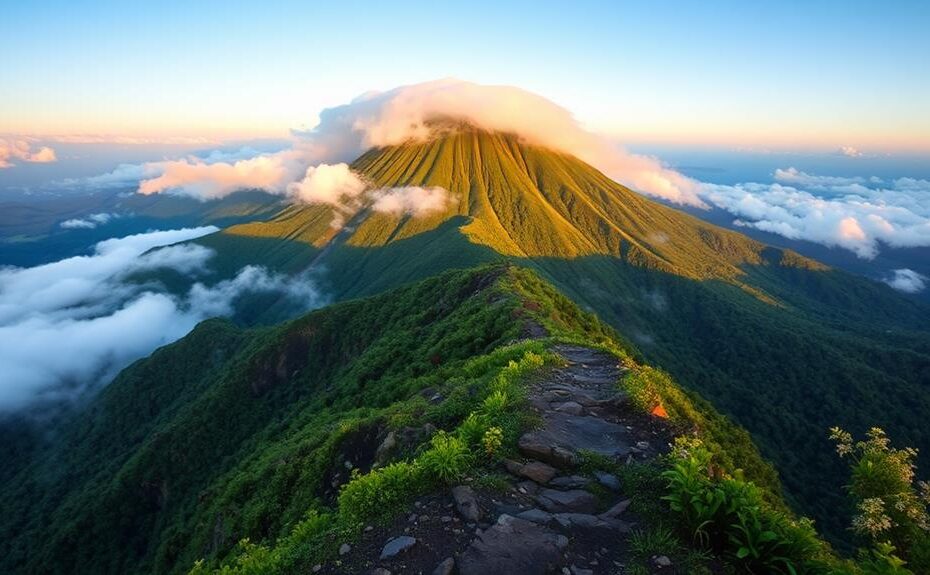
(570, 407)
(563, 434)
(397, 545)
(536, 515)
(616, 510)
(466, 503)
(573, 501)
(513, 546)
(580, 520)
(538, 472)
(445, 568)
(608, 480)
(528, 487)
(570, 482)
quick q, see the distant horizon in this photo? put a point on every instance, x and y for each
(790, 76)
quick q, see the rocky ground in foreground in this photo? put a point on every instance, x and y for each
(545, 517)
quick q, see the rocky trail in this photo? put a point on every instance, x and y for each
(550, 518)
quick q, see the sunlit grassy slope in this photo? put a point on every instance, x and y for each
(520, 201)
(785, 345)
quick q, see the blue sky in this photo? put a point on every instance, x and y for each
(791, 75)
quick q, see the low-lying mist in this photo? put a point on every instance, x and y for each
(68, 327)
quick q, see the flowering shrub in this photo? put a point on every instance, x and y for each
(891, 506)
(492, 441)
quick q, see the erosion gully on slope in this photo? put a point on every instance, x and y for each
(548, 521)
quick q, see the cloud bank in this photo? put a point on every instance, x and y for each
(856, 214)
(69, 326)
(14, 150)
(409, 113)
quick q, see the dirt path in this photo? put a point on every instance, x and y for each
(551, 519)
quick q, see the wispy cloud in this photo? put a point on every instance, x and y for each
(849, 152)
(907, 280)
(411, 200)
(88, 223)
(13, 150)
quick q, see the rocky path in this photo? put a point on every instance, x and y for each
(551, 519)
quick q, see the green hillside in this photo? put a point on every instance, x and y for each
(784, 345)
(232, 433)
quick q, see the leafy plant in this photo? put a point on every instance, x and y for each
(655, 541)
(382, 491)
(492, 440)
(728, 514)
(881, 560)
(447, 459)
(892, 507)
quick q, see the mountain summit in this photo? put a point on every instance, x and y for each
(524, 201)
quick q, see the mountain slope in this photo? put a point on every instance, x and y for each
(232, 433)
(781, 343)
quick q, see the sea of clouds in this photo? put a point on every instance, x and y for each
(68, 327)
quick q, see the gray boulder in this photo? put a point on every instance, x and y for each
(466, 503)
(572, 501)
(513, 546)
(397, 545)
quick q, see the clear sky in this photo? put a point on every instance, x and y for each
(819, 74)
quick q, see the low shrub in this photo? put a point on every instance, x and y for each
(728, 515)
(892, 507)
(381, 492)
(448, 459)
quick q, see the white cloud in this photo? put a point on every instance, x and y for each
(410, 200)
(71, 325)
(89, 223)
(329, 184)
(163, 173)
(852, 213)
(409, 112)
(21, 149)
(849, 152)
(205, 180)
(906, 280)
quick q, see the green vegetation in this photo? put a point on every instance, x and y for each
(226, 446)
(720, 511)
(229, 434)
(892, 507)
(781, 344)
(383, 492)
